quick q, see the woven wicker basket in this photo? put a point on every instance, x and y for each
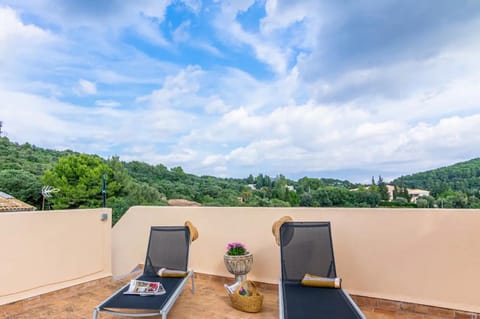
(248, 303)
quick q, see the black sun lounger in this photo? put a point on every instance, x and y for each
(168, 247)
(306, 248)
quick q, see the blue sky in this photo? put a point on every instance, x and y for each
(344, 89)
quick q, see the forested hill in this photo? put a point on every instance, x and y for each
(461, 177)
(27, 157)
(25, 169)
(21, 169)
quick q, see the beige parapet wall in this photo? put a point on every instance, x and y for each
(46, 251)
(422, 256)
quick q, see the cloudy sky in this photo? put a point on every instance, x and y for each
(345, 89)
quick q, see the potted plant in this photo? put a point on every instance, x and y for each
(238, 260)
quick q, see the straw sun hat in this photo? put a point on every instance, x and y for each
(276, 227)
(193, 230)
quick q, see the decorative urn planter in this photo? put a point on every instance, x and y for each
(239, 265)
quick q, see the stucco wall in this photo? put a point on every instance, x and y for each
(45, 251)
(422, 256)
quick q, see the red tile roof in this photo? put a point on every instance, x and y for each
(10, 204)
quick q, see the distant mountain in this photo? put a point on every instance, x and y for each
(463, 177)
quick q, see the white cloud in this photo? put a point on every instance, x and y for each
(331, 103)
(183, 85)
(148, 30)
(313, 137)
(179, 157)
(280, 15)
(107, 103)
(107, 18)
(85, 87)
(41, 121)
(213, 160)
(85, 14)
(60, 125)
(181, 33)
(263, 47)
(194, 5)
(215, 105)
(207, 47)
(15, 36)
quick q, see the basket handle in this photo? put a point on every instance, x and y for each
(254, 287)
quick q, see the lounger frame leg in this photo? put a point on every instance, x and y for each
(164, 311)
(193, 283)
(280, 300)
(360, 313)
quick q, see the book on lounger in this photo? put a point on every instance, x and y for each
(145, 288)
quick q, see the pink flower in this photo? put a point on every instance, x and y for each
(236, 248)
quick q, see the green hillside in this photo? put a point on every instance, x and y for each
(455, 186)
(462, 177)
(21, 169)
(25, 169)
(27, 157)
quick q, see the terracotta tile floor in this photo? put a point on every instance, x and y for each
(209, 301)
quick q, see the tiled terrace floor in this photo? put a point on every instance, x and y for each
(209, 301)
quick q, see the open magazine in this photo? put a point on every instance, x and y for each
(231, 289)
(145, 288)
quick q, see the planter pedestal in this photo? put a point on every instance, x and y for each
(239, 265)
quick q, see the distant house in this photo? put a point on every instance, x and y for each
(417, 193)
(9, 203)
(414, 193)
(390, 192)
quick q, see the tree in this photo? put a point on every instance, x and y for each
(306, 200)
(278, 203)
(452, 199)
(422, 203)
(405, 194)
(400, 201)
(280, 190)
(382, 189)
(307, 184)
(401, 192)
(79, 179)
(365, 198)
(293, 198)
(267, 181)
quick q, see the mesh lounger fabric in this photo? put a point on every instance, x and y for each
(168, 247)
(306, 247)
(316, 303)
(157, 302)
